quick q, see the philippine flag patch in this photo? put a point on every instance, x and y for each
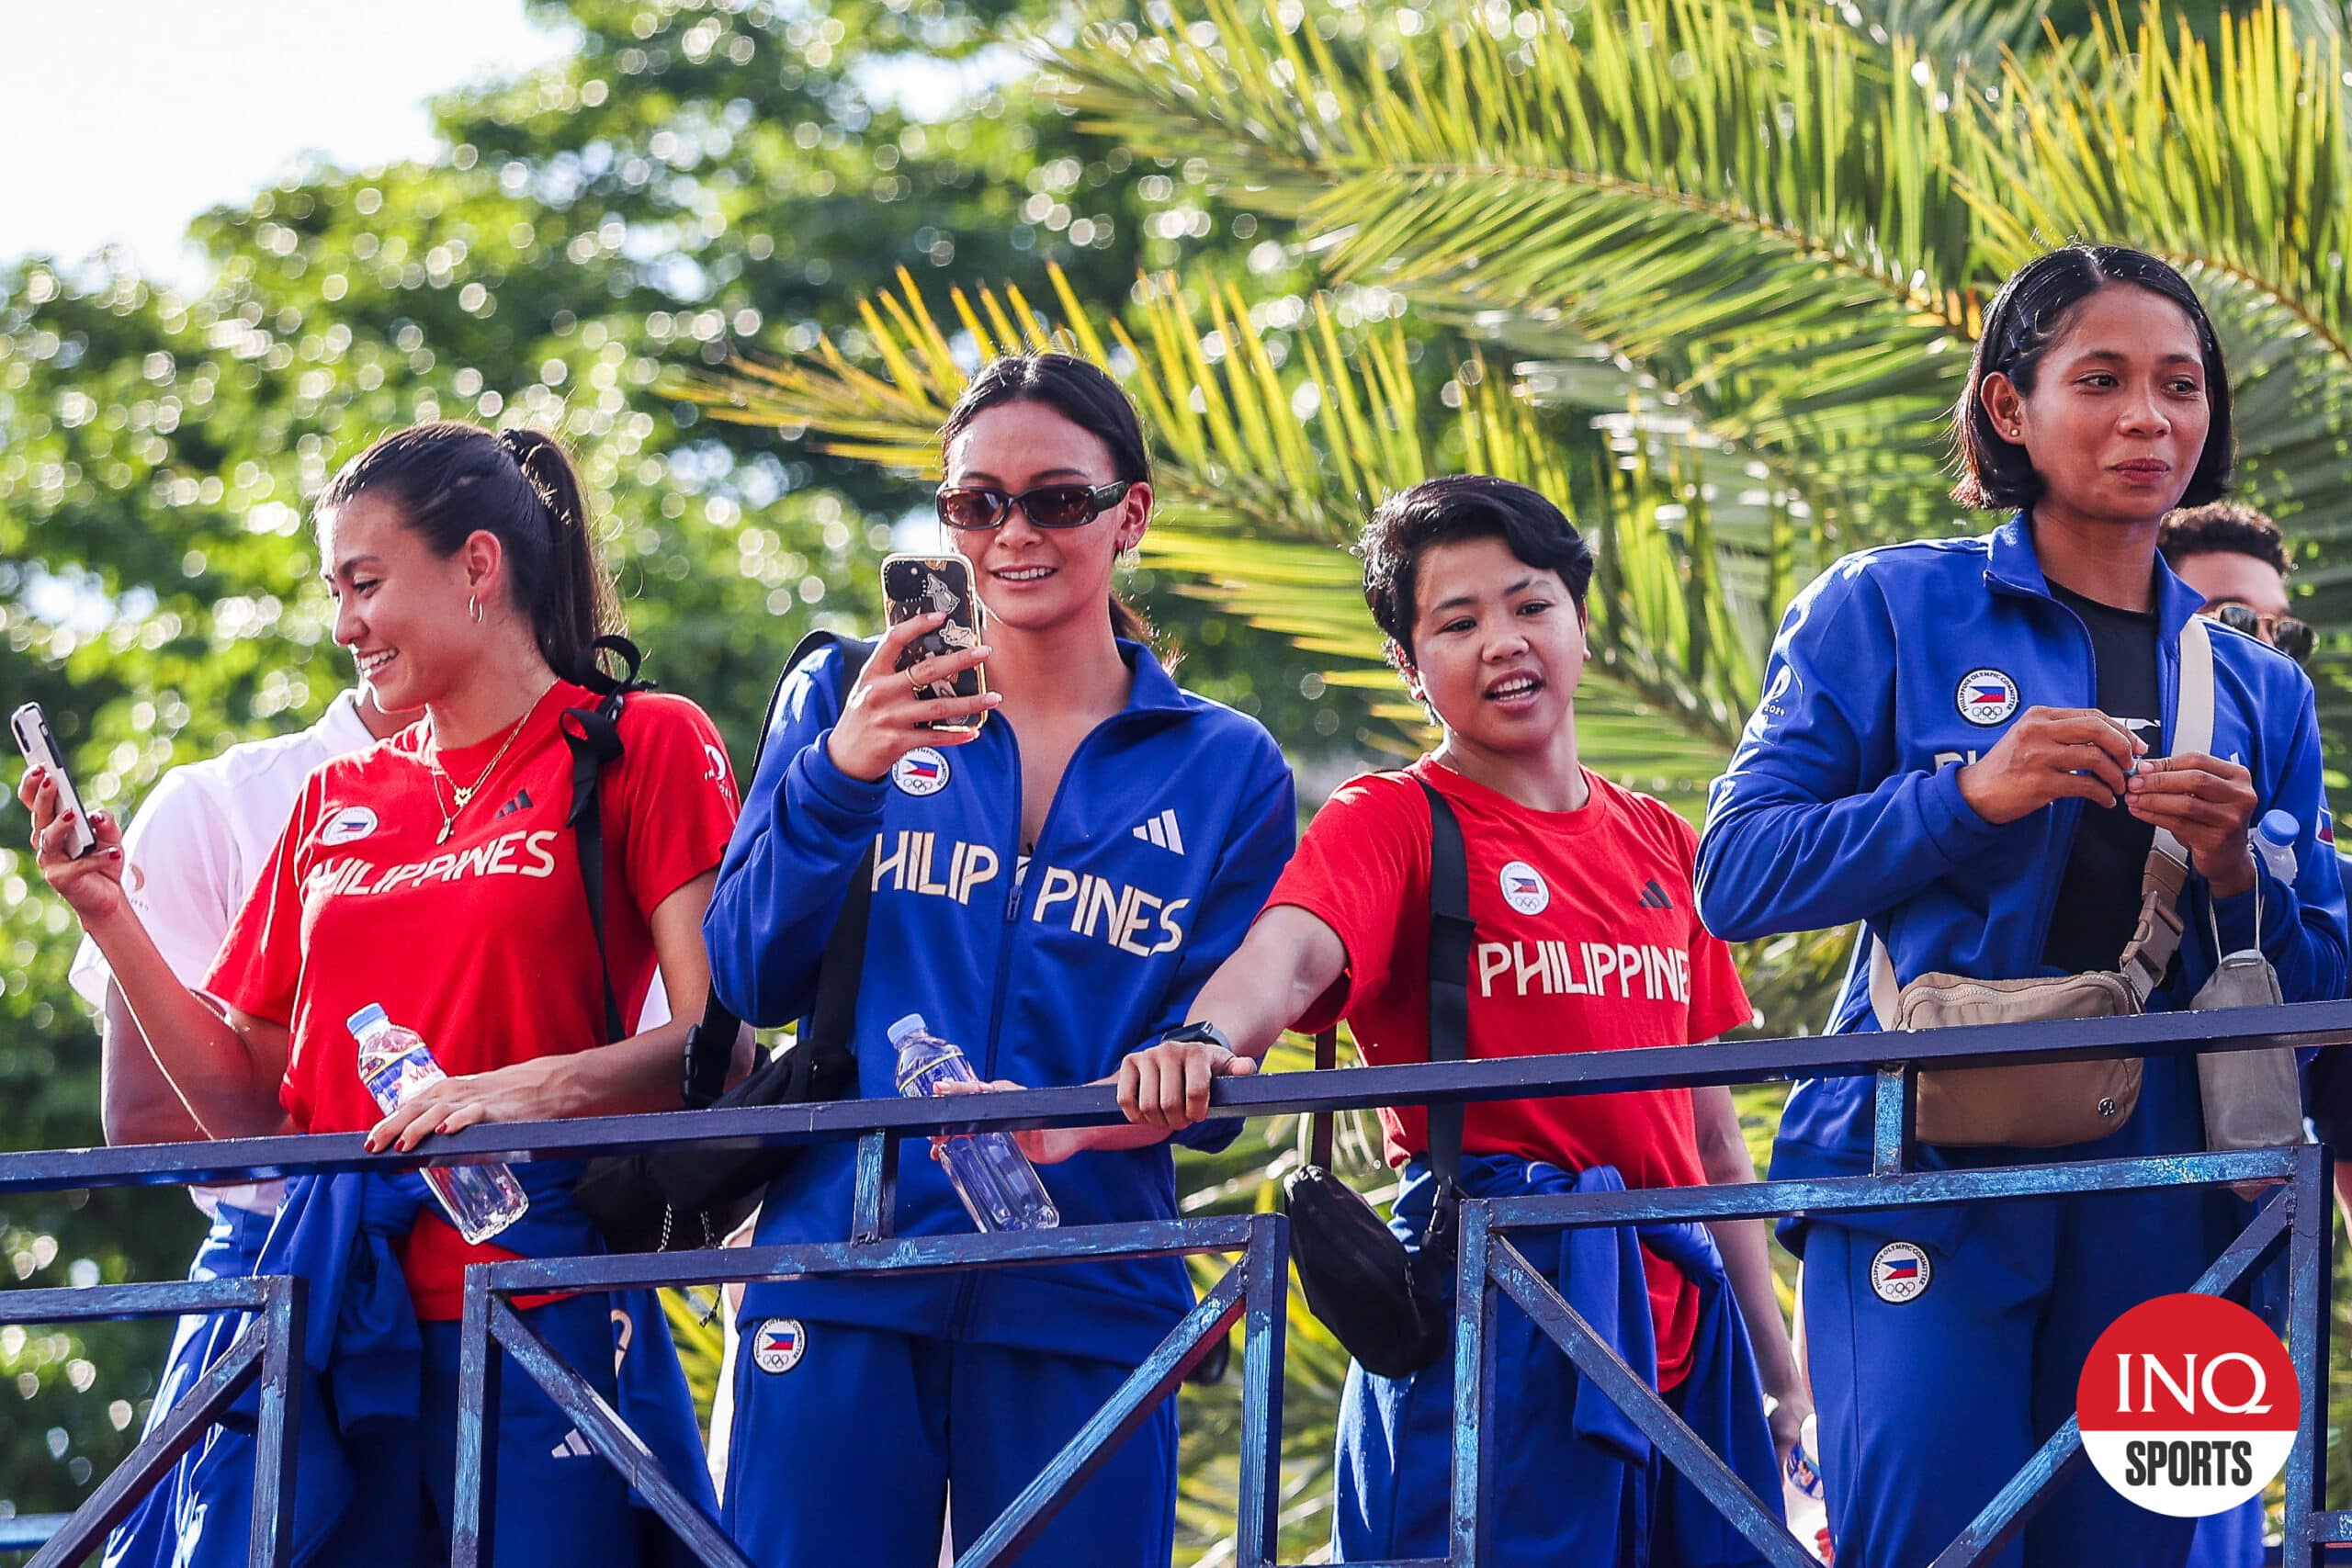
(1524, 888)
(920, 771)
(779, 1343)
(1900, 1272)
(1987, 696)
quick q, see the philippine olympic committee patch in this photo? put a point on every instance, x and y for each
(1987, 696)
(1900, 1272)
(920, 771)
(779, 1343)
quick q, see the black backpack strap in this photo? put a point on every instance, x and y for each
(1452, 934)
(595, 736)
(710, 1044)
(1327, 1056)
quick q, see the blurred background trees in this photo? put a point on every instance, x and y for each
(1708, 270)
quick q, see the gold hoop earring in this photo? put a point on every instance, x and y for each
(474, 607)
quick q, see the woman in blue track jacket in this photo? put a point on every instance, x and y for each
(1963, 743)
(1048, 893)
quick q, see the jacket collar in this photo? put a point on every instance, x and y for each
(2011, 563)
(1154, 689)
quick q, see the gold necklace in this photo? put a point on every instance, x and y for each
(464, 794)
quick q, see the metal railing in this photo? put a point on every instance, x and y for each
(1253, 1290)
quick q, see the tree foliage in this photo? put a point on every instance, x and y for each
(687, 179)
(1708, 269)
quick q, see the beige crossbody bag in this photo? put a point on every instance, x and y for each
(2052, 1104)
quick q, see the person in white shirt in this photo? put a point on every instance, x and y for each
(195, 845)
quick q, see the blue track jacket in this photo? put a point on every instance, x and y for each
(1173, 822)
(1843, 802)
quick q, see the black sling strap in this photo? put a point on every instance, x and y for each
(594, 735)
(1452, 931)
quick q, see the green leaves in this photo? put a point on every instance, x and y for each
(1777, 226)
(1269, 460)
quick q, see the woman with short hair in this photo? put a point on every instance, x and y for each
(1972, 746)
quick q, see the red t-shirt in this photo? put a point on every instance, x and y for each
(1589, 939)
(480, 944)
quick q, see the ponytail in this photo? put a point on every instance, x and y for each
(1128, 622)
(449, 480)
(575, 604)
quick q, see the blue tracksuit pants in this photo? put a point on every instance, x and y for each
(145, 1539)
(857, 1450)
(1929, 1405)
(557, 1502)
(1571, 1481)
(2231, 1539)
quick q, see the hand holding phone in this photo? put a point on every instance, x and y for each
(39, 747)
(895, 707)
(916, 585)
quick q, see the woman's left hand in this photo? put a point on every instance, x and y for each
(2207, 805)
(1787, 1421)
(523, 1092)
(1043, 1145)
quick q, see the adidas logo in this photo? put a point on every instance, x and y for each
(522, 798)
(574, 1446)
(1162, 830)
(1655, 897)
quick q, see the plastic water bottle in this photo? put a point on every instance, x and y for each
(1801, 1502)
(2274, 840)
(394, 1063)
(998, 1184)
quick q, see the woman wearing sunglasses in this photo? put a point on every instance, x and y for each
(1048, 891)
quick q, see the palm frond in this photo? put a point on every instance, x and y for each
(1266, 469)
(1748, 205)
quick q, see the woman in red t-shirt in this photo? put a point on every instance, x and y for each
(435, 875)
(1587, 938)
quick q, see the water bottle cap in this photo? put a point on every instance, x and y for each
(369, 1017)
(911, 1024)
(2279, 826)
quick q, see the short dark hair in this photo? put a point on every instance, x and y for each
(1461, 506)
(2221, 527)
(2026, 318)
(1083, 393)
(448, 479)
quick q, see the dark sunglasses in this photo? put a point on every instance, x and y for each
(969, 507)
(2291, 637)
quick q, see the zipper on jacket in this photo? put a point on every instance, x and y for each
(1007, 939)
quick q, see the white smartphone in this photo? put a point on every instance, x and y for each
(39, 747)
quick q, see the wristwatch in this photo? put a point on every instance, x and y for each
(1202, 1034)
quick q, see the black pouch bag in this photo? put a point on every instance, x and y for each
(693, 1198)
(1388, 1307)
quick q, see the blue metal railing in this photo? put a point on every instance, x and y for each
(266, 1352)
(1253, 1290)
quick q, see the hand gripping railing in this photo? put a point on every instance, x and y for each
(1254, 1290)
